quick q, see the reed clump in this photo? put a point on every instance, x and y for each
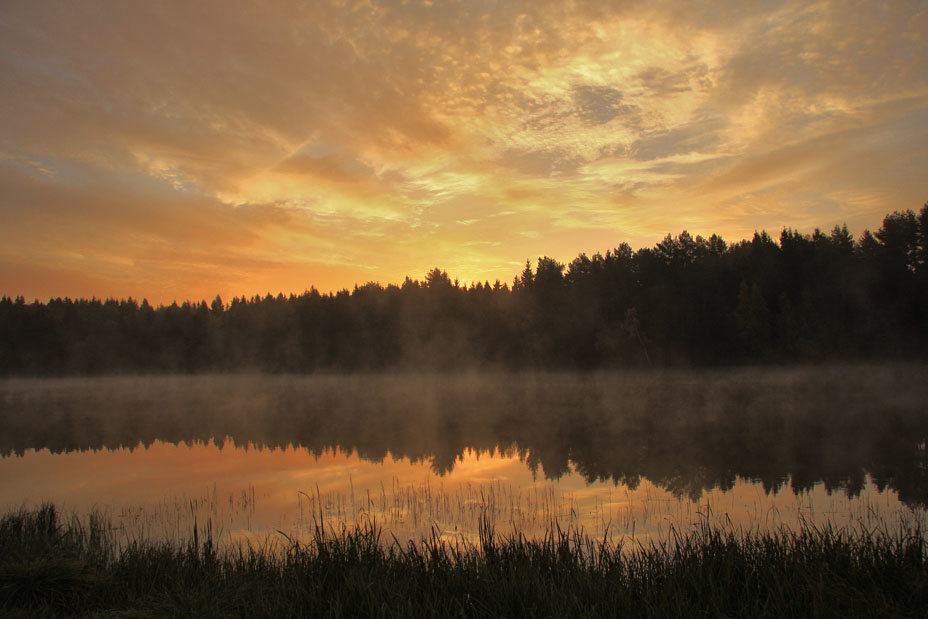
(56, 566)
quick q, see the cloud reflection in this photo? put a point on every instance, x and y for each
(685, 433)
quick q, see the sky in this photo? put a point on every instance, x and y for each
(179, 150)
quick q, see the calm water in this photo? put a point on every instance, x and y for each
(618, 454)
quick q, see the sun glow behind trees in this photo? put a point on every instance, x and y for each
(684, 301)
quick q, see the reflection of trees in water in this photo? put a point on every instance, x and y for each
(684, 432)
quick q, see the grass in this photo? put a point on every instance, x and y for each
(53, 566)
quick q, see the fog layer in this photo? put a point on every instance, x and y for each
(683, 431)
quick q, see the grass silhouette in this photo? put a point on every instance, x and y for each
(53, 566)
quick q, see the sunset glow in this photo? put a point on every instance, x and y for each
(177, 150)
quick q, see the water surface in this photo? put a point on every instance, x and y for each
(618, 454)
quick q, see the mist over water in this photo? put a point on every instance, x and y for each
(686, 438)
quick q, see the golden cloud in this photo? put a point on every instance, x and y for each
(347, 141)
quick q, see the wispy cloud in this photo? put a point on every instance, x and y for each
(194, 148)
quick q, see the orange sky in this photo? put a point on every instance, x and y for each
(175, 150)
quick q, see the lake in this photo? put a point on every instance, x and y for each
(624, 455)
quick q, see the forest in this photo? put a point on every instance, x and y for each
(685, 302)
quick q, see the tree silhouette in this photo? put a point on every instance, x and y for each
(689, 301)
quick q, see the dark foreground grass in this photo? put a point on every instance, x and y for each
(50, 566)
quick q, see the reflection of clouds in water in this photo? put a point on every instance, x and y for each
(250, 493)
(684, 433)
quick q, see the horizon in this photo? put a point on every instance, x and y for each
(176, 151)
(459, 282)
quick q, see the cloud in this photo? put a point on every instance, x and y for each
(597, 105)
(702, 134)
(540, 163)
(355, 136)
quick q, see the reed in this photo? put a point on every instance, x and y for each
(56, 566)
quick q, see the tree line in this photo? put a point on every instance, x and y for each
(686, 301)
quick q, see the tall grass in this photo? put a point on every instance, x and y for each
(54, 566)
